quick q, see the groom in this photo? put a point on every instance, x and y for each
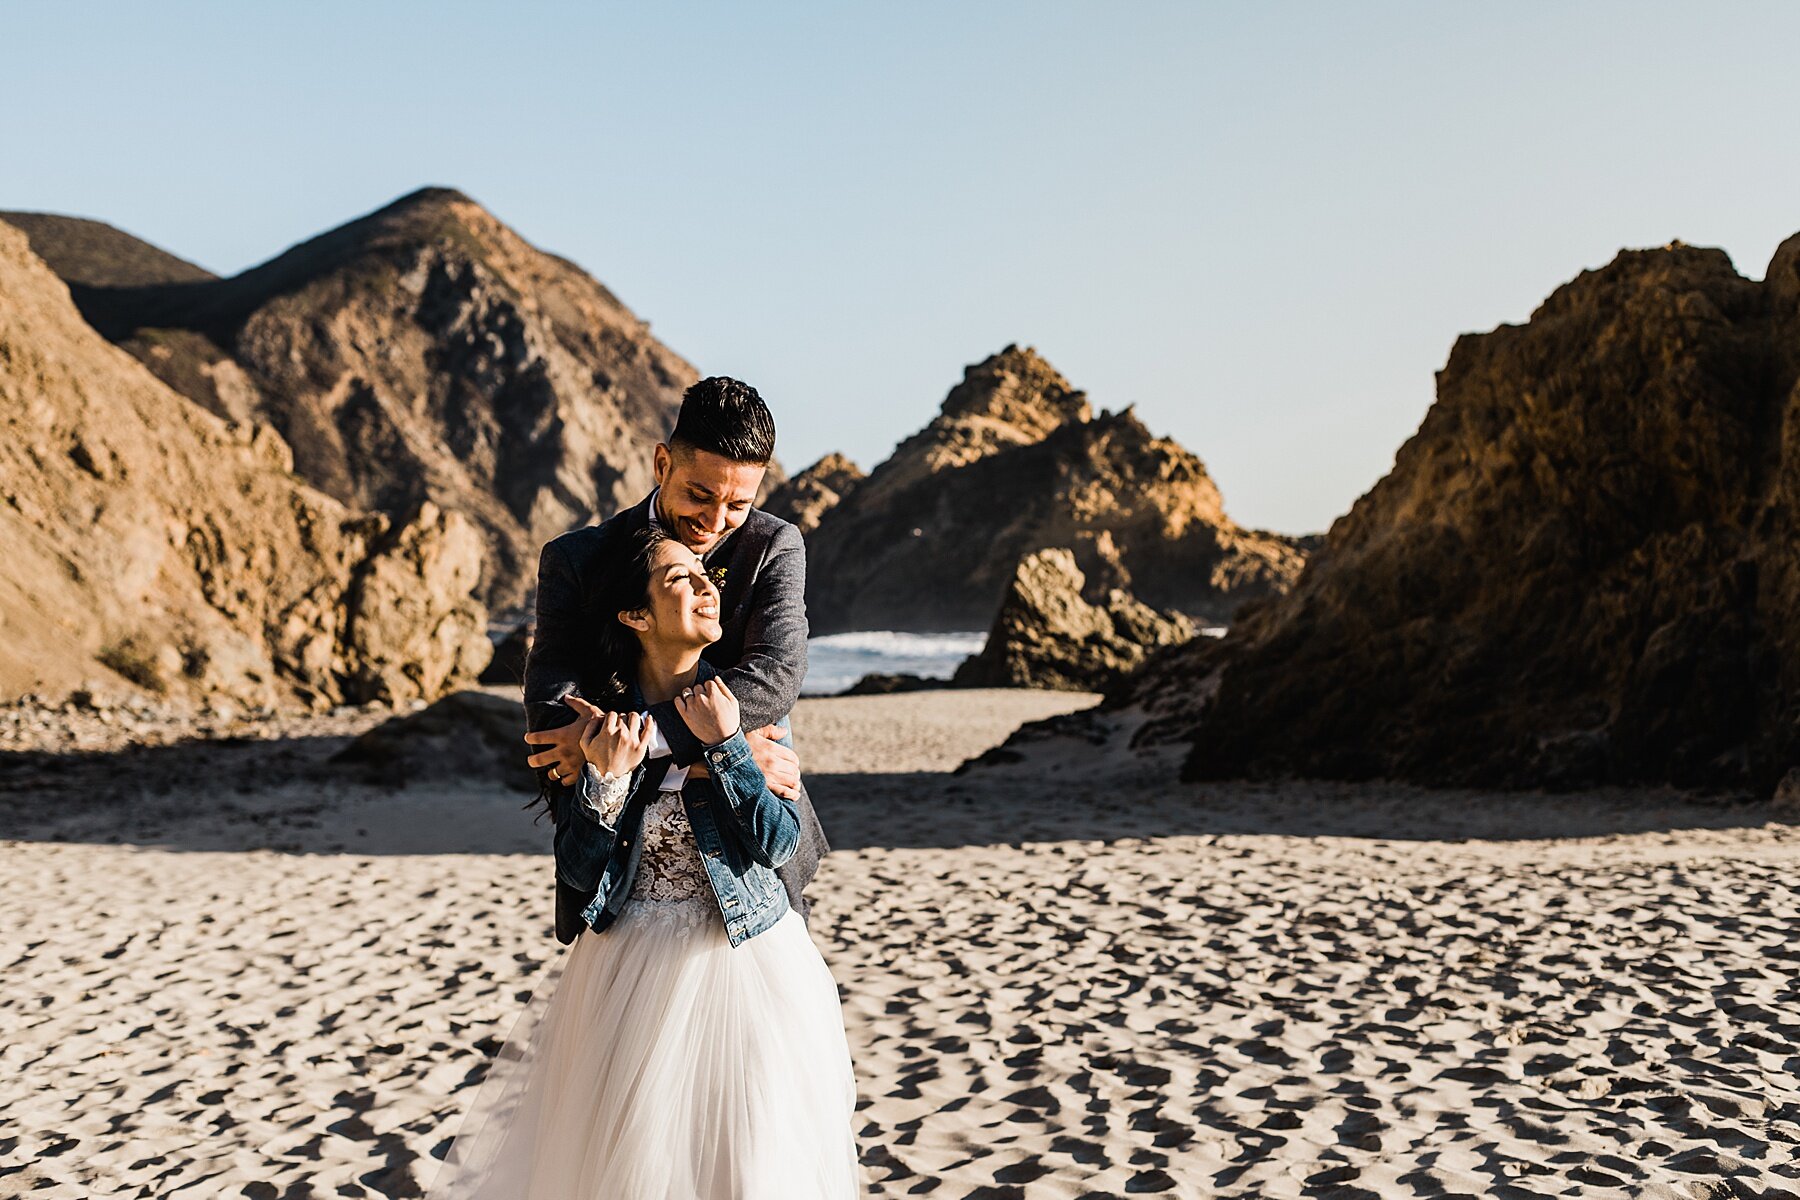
(707, 475)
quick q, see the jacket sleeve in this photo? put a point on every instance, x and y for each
(550, 667)
(766, 680)
(766, 825)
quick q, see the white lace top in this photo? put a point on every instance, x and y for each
(669, 866)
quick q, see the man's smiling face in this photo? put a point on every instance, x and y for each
(703, 495)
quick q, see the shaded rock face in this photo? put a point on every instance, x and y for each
(423, 353)
(1017, 462)
(93, 254)
(153, 548)
(467, 736)
(805, 499)
(1583, 568)
(1049, 635)
(882, 683)
(507, 667)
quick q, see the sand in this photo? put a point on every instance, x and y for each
(231, 972)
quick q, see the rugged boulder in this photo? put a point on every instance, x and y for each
(1049, 634)
(807, 497)
(152, 547)
(1583, 568)
(425, 352)
(1017, 462)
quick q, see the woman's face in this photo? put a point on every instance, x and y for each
(683, 608)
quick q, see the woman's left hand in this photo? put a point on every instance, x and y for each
(616, 742)
(709, 710)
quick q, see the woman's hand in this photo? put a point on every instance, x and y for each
(616, 742)
(710, 711)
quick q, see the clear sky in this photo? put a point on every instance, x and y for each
(1263, 224)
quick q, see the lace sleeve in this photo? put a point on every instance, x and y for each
(609, 798)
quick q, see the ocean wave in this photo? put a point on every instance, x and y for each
(836, 661)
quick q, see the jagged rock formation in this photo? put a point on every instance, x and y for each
(1583, 568)
(807, 497)
(1048, 634)
(1017, 462)
(153, 548)
(423, 352)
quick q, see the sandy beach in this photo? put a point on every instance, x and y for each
(233, 971)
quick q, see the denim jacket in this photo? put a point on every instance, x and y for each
(743, 831)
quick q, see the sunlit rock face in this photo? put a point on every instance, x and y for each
(425, 352)
(1055, 631)
(154, 549)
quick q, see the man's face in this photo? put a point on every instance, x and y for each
(704, 495)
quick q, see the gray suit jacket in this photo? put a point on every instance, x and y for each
(761, 655)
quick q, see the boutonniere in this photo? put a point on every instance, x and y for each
(717, 575)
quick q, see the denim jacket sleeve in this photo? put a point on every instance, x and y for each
(767, 825)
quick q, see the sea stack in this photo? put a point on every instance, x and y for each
(1016, 461)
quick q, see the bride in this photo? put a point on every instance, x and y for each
(693, 1048)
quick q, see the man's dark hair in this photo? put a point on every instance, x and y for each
(727, 417)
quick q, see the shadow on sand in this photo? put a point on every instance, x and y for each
(287, 795)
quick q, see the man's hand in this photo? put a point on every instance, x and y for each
(780, 765)
(564, 757)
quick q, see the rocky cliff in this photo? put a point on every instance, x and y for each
(152, 547)
(1583, 568)
(425, 352)
(1016, 461)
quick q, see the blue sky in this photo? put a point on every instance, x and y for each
(1262, 224)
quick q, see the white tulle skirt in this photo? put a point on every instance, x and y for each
(666, 1065)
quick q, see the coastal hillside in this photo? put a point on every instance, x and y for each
(425, 352)
(92, 254)
(1583, 568)
(157, 550)
(1016, 461)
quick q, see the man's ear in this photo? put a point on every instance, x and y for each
(660, 462)
(637, 618)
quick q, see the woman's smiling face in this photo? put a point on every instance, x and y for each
(683, 608)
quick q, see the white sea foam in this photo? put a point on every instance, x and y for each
(839, 660)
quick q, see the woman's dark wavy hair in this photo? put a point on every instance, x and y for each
(626, 588)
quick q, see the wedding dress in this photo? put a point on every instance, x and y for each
(664, 1064)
